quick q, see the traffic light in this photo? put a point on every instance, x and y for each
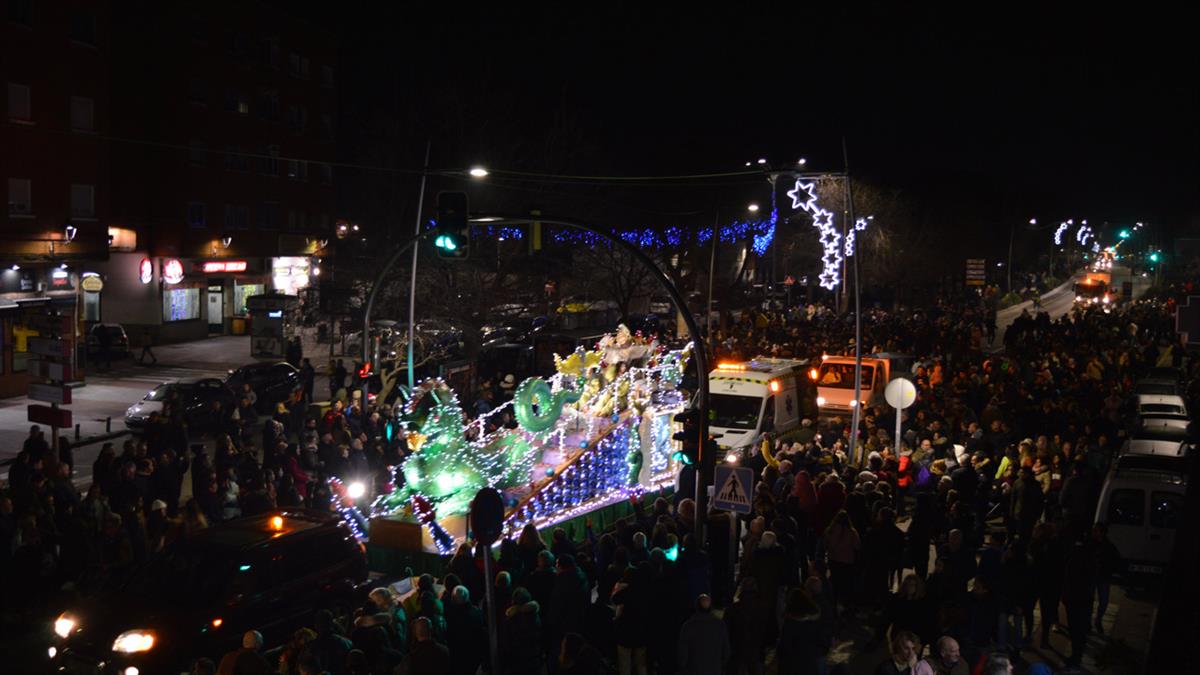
(453, 240)
(688, 437)
(1154, 257)
(1124, 234)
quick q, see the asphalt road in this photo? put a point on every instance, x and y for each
(106, 395)
(1059, 301)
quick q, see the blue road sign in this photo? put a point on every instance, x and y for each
(734, 488)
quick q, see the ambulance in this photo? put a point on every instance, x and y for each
(750, 398)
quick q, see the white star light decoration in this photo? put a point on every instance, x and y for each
(1058, 234)
(859, 226)
(804, 198)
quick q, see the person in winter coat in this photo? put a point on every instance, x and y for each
(703, 642)
(1025, 504)
(831, 498)
(745, 625)
(842, 544)
(466, 633)
(769, 567)
(883, 549)
(1078, 588)
(801, 649)
(631, 597)
(910, 610)
(1046, 566)
(521, 644)
(569, 598)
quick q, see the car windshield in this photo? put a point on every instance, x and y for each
(185, 574)
(1160, 408)
(841, 376)
(733, 412)
(160, 393)
(1160, 432)
(1162, 463)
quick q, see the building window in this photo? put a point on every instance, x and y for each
(91, 306)
(270, 163)
(83, 28)
(197, 153)
(243, 291)
(236, 102)
(327, 77)
(298, 66)
(297, 170)
(83, 200)
(297, 118)
(326, 125)
(197, 91)
(21, 11)
(83, 114)
(326, 173)
(237, 217)
(268, 216)
(297, 220)
(196, 216)
(268, 105)
(20, 197)
(181, 304)
(269, 52)
(20, 106)
(236, 160)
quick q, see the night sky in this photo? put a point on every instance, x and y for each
(996, 118)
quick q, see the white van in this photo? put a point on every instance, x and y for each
(835, 381)
(1154, 405)
(749, 398)
(1142, 507)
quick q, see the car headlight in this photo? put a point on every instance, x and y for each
(1078, 298)
(134, 641)
(1105, 300)
(820, 400)
(63, 626)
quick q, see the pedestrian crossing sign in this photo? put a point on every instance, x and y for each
(734, 488)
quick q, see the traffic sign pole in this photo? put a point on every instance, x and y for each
(900, 393)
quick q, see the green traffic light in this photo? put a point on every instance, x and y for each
(445, 242)
(1154, 257)
(1124, 234)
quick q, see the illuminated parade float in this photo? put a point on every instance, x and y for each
(596, 433)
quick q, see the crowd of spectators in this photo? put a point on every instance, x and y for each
(944, 549)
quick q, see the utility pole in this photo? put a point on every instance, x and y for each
(712, 263)
(1011, 233)
(412, 284)
(856, 411)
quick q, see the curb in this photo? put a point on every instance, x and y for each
(89, 440)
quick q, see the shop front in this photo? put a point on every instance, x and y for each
(228, 284)
(37, 302)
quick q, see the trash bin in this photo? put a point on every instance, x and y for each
(237, 326)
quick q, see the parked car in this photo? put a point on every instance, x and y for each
(118, 340)
(267, 573)
(271, 383)
(195, 395)
(1143, 506)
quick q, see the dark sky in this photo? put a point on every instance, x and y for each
(1013, 114)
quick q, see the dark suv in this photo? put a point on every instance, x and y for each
(271, 382)
(118, 341)
(268, 573)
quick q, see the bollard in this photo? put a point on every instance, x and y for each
(76, 432)
(108, 425)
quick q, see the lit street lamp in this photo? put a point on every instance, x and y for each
(478, 172)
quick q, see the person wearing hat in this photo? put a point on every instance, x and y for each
(157, 524)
